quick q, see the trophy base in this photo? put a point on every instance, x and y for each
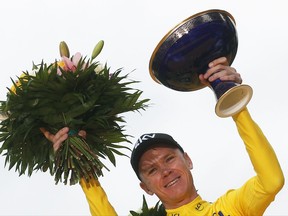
(233, 100)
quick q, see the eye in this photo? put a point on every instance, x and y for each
(170, 158)
(152, 171)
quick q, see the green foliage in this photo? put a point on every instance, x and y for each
(157, 210)
(81, 100)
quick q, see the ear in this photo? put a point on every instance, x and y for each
(188, 161)
(145, 188)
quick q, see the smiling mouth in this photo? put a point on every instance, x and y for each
(172, 182)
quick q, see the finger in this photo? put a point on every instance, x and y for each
(203, 80)
(57, 144)
(82, 133)
(232, 77)
(227, 74)
(218, 74)
(213, 70)
(56, 139)
(47, 134)
(61, 135)
(221, 60)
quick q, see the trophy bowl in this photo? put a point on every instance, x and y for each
(186, 50)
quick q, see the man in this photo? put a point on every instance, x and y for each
(164, 168)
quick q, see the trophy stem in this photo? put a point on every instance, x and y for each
(232, 97)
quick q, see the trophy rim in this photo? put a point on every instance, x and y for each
(171, 31)
(243, 93)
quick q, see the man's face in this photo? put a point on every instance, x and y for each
(165, 171)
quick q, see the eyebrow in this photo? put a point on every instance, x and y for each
(148, 166)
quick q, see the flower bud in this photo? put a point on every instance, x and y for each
(97, 49)
(64, 50)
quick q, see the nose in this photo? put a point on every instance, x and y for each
(166, 172)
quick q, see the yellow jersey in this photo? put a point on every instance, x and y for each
(251, 199)
(257, 193)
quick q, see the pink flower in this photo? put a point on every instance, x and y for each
(70, 65)
(76, 58)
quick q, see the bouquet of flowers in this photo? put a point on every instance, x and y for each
(76, 92)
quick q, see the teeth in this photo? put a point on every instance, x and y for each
(172, 183)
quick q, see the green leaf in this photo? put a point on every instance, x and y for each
(157, 210)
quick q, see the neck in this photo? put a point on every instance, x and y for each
(173, 205)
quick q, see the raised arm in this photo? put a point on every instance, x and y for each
(97, 198)
(257, 193)
(261, 190)
(95, 195)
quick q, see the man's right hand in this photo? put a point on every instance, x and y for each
(56, 139)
